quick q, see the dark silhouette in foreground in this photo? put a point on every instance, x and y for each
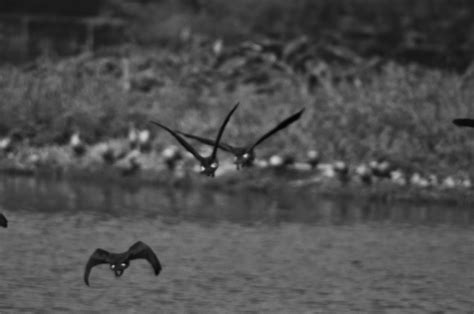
(3, 221)
(465, 122)
(245, 155)
(120, 261)
(209, 164)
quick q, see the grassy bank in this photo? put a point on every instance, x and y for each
(401, 112)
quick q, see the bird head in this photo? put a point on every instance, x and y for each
(244, 159)
(119, 268)
(209, 167)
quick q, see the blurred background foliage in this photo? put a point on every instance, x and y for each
(436, 32)
(383, 78)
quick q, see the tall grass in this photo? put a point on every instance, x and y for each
(402, 112)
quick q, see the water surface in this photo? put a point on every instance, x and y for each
(227, 252)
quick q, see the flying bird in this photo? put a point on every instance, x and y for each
(118, 262)
(245, 155)
(210, 163)
(464, 122)
(3, 221)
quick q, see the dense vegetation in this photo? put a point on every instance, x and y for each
(398, 109)
(437, 33)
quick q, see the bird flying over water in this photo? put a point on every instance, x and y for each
(3, 221)
(118, 262)
(464, 122)
(245, 155)
(210, 163)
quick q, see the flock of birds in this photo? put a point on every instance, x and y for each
(135, 156)
(244, 157)
(119, 262)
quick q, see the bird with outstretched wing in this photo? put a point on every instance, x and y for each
(245, 155)
(118, 262)
(3, 221)
(464, 122)
(210, 163)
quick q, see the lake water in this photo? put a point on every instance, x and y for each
(230, 252)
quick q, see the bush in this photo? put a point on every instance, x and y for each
(403, 112)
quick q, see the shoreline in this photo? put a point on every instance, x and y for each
(154, 172)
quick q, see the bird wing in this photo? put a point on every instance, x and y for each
(141, 250)
(223, 146)
(181, 140)
(280, 126)
(464, 122)
(99, 256)
(3, 221)
(221, 130)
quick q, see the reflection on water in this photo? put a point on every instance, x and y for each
(230, 252)
(239, 206)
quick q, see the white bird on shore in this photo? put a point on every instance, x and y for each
(144, 140)
(313, 158)
(275, 161)
(398, 177)
(280, 162)
(466, 182)
(6, 144)
(261, 163)
(77, 145)
(448, 182)
(342, 170)
(364, 173)
(418, 180)
(217, 47)
(327, 170)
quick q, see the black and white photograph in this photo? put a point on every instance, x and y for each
(212, 156)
